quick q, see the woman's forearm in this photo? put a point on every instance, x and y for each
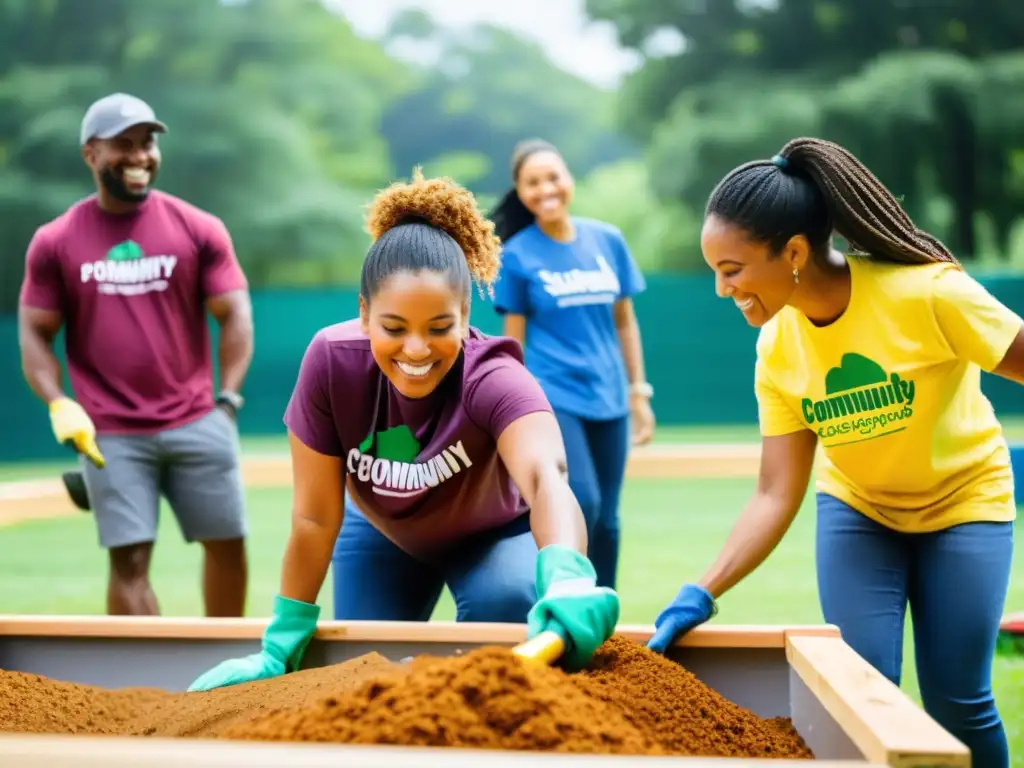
(556, 517)
(632, 350)
(755, 534)
(307, 557)
(515, 327)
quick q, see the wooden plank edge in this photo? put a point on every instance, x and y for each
(173, 628)
(881, 720)
(812, 630)
(128, 752)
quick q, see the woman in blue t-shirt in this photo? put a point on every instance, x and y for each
(565, 290)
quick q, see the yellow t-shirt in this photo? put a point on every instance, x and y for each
(893, 391)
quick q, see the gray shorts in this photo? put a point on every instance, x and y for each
(196, 467)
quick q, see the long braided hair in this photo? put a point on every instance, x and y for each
(813, 188)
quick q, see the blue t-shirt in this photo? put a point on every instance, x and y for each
(567, 291)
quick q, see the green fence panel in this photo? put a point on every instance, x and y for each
(698, 349)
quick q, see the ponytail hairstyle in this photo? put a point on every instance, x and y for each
(812, 188)
(510, 216)
(429, 224)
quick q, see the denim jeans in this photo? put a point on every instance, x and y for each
(491, 575)
(596, 453)
(954, 581)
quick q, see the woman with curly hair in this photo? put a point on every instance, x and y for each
(432, 450)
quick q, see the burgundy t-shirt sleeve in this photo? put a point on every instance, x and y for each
(221, 271)
(500, 391)
(43, 286)
(309, 413)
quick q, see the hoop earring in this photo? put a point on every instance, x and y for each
(796, 275)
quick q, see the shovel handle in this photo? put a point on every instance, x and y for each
(545, 648)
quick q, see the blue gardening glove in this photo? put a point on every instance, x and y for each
(692, 606)
(572, 604)
(284, 642)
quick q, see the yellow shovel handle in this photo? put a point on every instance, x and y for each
(545, 648)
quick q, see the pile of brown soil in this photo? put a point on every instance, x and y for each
(677, 711)
(34, 704)
(486, 699)
(628, 701)
(211, 712)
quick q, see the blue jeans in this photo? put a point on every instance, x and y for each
(596, 453)
(491, 575)
(955, 583)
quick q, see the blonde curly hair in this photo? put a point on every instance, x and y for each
(445, 205)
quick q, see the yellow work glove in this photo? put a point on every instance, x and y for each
(71, 424)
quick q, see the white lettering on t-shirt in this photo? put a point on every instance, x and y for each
(404, 479)
(132, 277)
(577, 287)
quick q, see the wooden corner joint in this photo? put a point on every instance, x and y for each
(884, 723)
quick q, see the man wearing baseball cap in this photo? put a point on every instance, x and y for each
(129, 273)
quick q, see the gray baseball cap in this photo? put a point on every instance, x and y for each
(117, 112)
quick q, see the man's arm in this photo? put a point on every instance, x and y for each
(227, 299)
(40, 316)
(233, 312)
(37, 329)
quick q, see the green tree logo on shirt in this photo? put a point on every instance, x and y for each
(126, 251)
(395, 444)
(388, 462)
(861, 402)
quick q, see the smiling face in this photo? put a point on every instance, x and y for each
(126, 165)
(545, 186)
(416, 323)
(746, 271)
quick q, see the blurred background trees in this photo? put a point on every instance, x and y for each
(284, 122)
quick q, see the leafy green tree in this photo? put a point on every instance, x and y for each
(488, 89)
(273, 108)
(661, 235)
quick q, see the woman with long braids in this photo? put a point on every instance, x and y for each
(566, 291)
(877, 355)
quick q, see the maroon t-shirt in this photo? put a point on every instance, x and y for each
(424, 471)
(131, 288)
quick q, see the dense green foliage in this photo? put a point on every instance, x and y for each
(284, 122)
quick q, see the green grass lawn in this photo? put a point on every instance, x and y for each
(672, 530)
(670, 433)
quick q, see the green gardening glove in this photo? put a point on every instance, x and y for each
(572, 604)
(284, 642)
